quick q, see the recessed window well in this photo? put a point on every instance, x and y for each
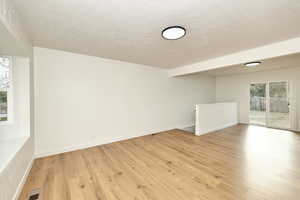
(173, 33)
(252, 64)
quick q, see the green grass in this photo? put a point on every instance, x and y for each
(2, 119)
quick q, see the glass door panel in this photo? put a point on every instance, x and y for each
(279, 109)
(258, 108)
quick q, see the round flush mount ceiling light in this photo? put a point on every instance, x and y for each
(173, 32)
(252, 64)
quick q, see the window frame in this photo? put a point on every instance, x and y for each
(10, 101)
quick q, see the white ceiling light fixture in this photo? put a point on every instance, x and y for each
(252, 64)
(173, 32)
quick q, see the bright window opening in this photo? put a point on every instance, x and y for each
(5, 86)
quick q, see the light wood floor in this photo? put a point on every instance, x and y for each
(241, 162)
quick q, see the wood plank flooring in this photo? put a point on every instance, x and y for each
(237, 163)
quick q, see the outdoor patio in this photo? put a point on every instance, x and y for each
(276, 119)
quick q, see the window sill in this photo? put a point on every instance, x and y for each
(8, 149)
(5, 123)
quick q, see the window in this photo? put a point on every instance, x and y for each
(5, 88)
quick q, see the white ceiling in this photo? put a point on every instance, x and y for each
(130, 30)
(269, 64)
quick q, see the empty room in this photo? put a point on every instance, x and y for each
(149, 100)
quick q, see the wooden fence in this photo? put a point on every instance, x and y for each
(277, 104)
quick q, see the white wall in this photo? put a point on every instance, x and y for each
(83, 101)
(236, 88)
(215, 116)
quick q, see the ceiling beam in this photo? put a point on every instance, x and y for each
(282, 48)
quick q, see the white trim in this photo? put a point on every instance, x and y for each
(97, 143)
(23, 180)
(190, 128)
(283, 48)
(84, 146)
(186, 126)
(218, 128)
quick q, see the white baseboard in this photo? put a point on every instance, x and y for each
(189, 128)
(23, 181)
(217, 128)
(82, 146)
(97, 143)
(186, 126)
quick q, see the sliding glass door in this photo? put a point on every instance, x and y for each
(269, 104)
(279, 106)
(258, 104)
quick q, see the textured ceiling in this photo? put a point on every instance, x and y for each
(130, 30)
(269, 64)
